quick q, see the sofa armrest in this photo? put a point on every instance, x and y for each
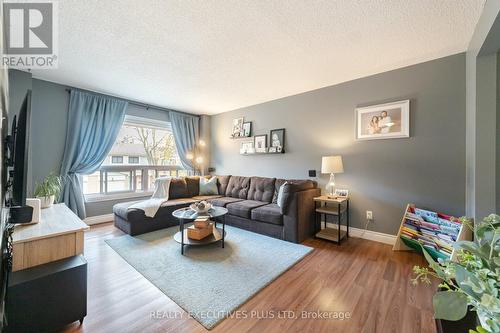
(298, 220)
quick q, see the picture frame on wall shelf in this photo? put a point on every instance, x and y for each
(260, 143)
(383, 121)
(237, 130)
(247, 147)
(247, 129)
(272, 150)
(277, 140)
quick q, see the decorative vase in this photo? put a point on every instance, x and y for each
(46, 202)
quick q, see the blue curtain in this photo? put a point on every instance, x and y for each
(186, 130)
(93, 125)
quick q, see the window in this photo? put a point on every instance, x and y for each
(148, 147)
(133, 160)
(117, 159)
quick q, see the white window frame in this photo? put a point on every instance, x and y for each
(134, 121)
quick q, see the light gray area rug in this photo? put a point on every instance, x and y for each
(228, 277)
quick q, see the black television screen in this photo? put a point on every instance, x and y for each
(20, 158)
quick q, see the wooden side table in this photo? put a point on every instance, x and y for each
(339, 207)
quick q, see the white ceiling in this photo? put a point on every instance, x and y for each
(211, 56)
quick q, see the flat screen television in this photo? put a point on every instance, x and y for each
(4, 252)
(14, 175)
(20, 133)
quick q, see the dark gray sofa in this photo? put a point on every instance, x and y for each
(251, 204)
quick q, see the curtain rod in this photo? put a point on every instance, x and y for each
(143, 105)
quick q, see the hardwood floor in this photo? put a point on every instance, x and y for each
(365, 278)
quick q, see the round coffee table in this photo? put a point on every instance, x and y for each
(186, 215)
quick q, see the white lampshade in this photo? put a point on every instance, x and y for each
(332, 164)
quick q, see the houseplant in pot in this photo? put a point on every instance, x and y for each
(48, 190)
(473, 282)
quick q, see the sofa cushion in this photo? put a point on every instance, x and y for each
(222, 182)
(122, 209)
(178, 188)
(298, 185)
(223, 201)
(238, 187)
(244, 208)
(193, 186)
(261, 189)
(270, 213)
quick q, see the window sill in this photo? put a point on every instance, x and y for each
(89, 198)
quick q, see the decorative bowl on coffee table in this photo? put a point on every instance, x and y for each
(201, 207)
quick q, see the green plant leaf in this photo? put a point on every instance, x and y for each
(449, 305)
(434, 265)
(51, 185)
(481, 330)
(468, 282)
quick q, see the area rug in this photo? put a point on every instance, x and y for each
(228, 277)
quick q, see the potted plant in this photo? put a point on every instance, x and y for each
(48, 190)
(472, 283)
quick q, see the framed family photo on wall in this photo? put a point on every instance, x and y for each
(247, 129)
(237, 130)
(277, 141)
(260, 142)
(383, 121)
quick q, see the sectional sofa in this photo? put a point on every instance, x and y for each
(251, 203)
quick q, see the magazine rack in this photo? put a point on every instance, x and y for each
(431, 230)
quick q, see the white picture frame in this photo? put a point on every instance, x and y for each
(237, 129)
(341, 193)
(383, 121)
(247, 147)
(260, 143)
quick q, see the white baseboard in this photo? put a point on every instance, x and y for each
(367, 234)
(98, 219)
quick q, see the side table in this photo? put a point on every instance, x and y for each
(338, 207)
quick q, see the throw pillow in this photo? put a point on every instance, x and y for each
(277, 186)
(208, 186)
(281, 196)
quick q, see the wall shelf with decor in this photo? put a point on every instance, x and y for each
(436, 232)
(250, 154)
(259, 144)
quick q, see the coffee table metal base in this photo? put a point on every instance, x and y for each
(187, 215)
(218, 234)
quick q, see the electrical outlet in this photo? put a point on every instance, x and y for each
(369, 215)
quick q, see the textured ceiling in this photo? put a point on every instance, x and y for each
(211, 56)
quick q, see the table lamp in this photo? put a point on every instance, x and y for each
(331, 165)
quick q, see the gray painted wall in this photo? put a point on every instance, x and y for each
(497, 140)
(427, 169)
(486, 94)
(48, 128)
(485, 41)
